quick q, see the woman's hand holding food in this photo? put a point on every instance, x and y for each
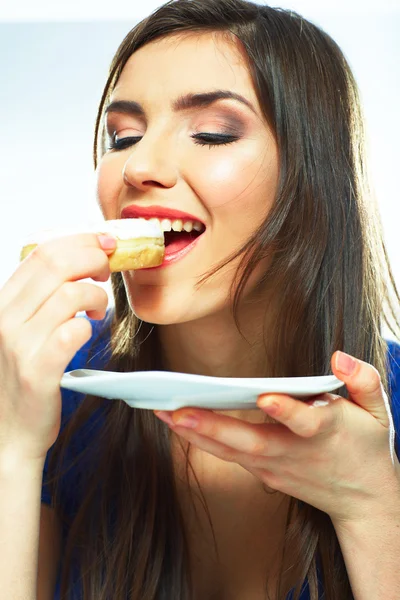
(337, 455)
(39, 335)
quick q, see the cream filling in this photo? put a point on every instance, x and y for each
(122, 229)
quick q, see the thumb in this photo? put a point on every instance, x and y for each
(364, 385)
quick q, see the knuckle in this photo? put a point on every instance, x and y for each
(270, 480)
(101, 296)
(285, 413)
(27, 380)
(369, 380)
(258, 448)
(85, 328)
(68, 333)
(93, 296)
(18, 354)
(10, 348)
(64, 338)
(4, 329)
(309, 429)
(213, 430)
(99, 259)
(83, 295)
(52, 261)
(68, 292)
(375, 383)
(255, 462)
(228, 455)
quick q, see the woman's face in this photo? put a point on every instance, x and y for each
(229, 188)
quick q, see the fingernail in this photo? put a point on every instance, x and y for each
(272, 408)
(345, 363)
(187, 421)
(107, 242)
(164, 416)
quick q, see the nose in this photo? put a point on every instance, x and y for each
(150, 164)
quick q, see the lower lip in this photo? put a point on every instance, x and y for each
(173, 257)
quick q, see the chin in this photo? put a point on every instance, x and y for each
(156, 304)
(169, 305)
(148, 314)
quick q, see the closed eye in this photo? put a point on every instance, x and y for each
(214, 139)
(202, 139)
(123, 143)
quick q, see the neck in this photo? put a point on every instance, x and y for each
(214, 346)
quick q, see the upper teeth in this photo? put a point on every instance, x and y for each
(177, 224)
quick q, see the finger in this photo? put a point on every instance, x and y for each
(62, 345)
(297, 416)
(235, 434)
(47, 268)
(364, 385)
(222, 451)
(63, 305)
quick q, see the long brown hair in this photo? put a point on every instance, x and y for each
(329, 270)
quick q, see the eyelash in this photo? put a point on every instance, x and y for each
(224, 140)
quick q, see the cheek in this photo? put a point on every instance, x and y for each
(220, 181)
(107, 188)
(236, 179)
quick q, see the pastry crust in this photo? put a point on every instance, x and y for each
(131, 253)
(135, 254)
(26, 250)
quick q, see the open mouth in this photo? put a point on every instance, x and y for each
(180, 234)
(175, 241)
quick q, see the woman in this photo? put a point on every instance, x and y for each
(247, 119)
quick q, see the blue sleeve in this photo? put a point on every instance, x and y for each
(93, 355)
(394, 388)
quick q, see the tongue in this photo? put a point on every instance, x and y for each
(174, 242)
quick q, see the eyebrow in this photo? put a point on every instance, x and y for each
(185, 102)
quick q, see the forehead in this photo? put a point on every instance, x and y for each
(180, 63)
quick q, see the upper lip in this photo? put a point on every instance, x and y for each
(162, 212)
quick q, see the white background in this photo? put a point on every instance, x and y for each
(54, 57)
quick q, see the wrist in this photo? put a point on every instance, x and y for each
(13, 461)
(383, 506)
(383, 513)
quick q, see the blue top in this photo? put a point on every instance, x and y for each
(98, 345)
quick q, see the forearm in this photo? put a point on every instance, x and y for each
(20, 489)
(371, 552)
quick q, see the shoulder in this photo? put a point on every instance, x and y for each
(393, 369)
